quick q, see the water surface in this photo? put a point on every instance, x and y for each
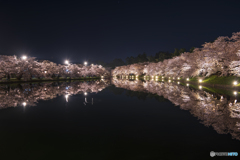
(117, 119)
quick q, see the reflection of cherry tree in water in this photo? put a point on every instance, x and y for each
(222, 114)
(29, 94)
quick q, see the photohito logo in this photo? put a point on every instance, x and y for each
(212, 153)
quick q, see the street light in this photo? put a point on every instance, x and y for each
(66, 62)
(24, 104)
(85, 63)
(24, 57)
(235, 83)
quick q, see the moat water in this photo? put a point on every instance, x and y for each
(116, 120)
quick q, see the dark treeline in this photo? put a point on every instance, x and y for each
(158, 57)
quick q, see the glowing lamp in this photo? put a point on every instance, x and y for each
(24, 57)
(235, 83)
(200, 80)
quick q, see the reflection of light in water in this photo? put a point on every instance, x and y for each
(204, 105)
(66, 96)
(24, 104)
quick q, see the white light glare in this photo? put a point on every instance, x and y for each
(24, 57)
(24, 104)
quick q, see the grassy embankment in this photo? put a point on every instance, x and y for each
(225, 80)
(214, 84)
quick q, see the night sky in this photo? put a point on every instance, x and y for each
(93, 30)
